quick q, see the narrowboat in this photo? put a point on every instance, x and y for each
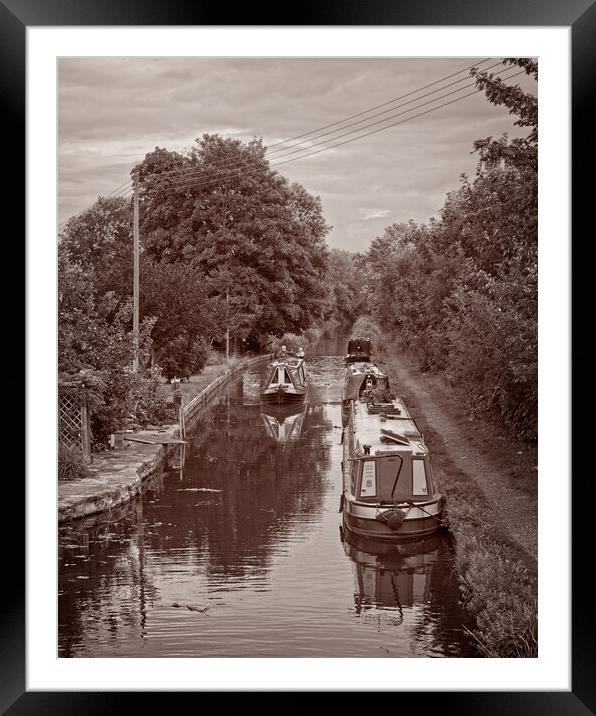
(363, 379)
(359, 349)
(286, 380)
(283, 423)
(389, 492)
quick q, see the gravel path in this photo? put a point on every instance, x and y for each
(515, 511)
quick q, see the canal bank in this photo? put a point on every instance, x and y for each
(489, 481)
(117, 476)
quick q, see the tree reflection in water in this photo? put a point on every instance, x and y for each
(245, 525)
(224, 508)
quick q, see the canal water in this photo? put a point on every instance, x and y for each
(237, 551)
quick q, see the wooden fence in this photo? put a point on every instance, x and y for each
(194, 406)
(74, 432)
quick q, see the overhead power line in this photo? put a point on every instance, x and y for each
(235, 164)
(220, 176)
(215, 165)
(126, 188)
(214, 174)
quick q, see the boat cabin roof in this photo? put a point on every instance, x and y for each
(365, 367)
(386, 433)
(359, 343)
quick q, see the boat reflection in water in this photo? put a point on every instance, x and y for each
(393, 576)
(283, 423)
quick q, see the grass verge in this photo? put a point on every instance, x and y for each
(217, 366)
(71, 464)
(498, 580)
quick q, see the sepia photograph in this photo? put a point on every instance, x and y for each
(297, 357)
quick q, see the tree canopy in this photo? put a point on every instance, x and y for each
(227, 243)
(461, 292)
(257, 240)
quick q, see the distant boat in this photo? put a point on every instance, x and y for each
(283, 423)
(359, 349)
(362, 378)
(286, 380)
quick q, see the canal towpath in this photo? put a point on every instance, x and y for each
(503, 469)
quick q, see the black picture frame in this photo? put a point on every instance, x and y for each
(580, 16)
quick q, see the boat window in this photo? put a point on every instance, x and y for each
(419, 486)
(273, 380)
(368, 484)
(287, 378)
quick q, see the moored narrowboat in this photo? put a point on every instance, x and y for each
(286, 380)
(388, 488)
(364, 376)
(359, 349)
(363, 379)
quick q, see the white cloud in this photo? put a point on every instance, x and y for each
(112, 111)
(373, 214)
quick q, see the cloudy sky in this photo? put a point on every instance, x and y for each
(112, 111)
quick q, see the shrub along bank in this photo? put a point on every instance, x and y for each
(498, 580)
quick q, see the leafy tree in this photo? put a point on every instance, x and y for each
(461, 292)
(175, 296)
(94, 338)
(100, 240)
(94, 330)
(346, 299)
(258, 240)
(519, 103)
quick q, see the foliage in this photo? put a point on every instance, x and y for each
(460, 293)
(71, 464)
(306, 340)
(256, 241)
(184, 357)
(123, 398)
(346, 299)
(100, 241)
(94, 330)
(177, 297)
(95, 340)
(498, 587)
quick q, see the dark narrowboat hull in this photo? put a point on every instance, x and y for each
(373, 529)
(283, 398)
(359, 548)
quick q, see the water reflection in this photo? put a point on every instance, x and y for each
(249, 531)
(283, 423)
(391, 575)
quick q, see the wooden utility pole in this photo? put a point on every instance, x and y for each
(227, 324)
(85, 432)
(135, 315)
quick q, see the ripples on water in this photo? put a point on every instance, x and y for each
(249, 530)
